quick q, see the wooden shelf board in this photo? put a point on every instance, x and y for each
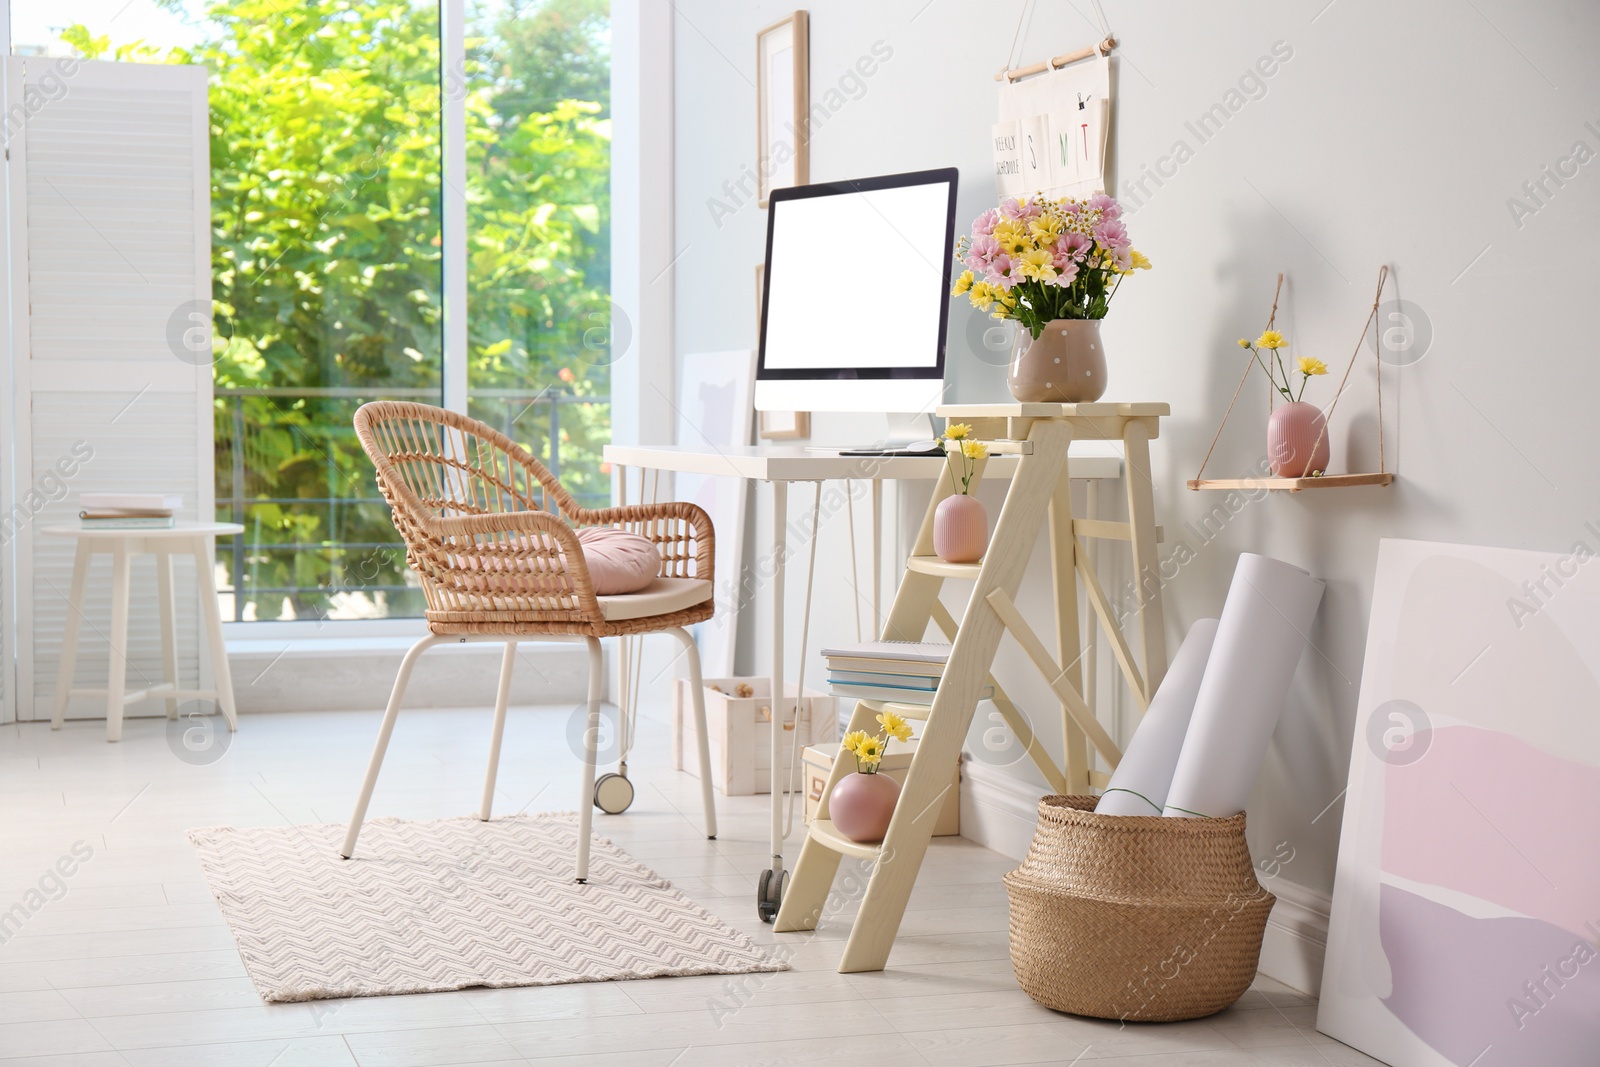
(1050, 410)
(1293, 485)
(903, 708)
(823, 832)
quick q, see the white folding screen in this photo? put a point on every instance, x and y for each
(8, 519)
(109, 224)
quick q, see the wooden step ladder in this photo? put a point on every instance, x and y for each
(1040, 490)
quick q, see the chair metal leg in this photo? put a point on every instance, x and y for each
(382, 746)
(502, 698)
(698, 696)
(591, 741)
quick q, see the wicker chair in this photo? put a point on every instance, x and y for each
(490, 533)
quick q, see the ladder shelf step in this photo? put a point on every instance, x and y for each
(941, 569)
(824, 833)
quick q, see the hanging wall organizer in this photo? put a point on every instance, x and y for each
(1053, 122)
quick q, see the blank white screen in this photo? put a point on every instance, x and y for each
(857, 279)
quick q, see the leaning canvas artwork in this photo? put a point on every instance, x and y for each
(1466, 913)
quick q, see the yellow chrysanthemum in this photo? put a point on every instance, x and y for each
(1270, 339)
(895, 726)
(1244, 342)
(1311, 366)
(1012, 237)
(1038, 264)
(870, 751)
(1140, 260)
(852, 741)
(963, 283)
(974, 449)
(957, 430)
(1045, 229)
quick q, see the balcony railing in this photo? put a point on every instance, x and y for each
(318, 543)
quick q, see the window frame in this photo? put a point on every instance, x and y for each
(454, 297)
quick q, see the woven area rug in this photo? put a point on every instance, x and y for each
(453, 903)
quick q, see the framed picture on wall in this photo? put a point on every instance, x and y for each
(783, 104)
(777, 425)
(785, 425)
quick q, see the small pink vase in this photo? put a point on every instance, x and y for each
(960, 529)
(1292, 431)
(861, 806)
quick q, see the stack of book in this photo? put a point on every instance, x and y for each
(128, 511)
(907, 671)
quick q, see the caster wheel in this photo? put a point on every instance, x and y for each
(613, 794)
(769, 895)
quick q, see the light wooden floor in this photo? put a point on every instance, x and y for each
(133, 964)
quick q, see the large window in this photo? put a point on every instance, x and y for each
(330, 184)
(538, 202)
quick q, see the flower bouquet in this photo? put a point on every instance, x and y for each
(960, 522)
(862, 803)
(1297, 436)
(1051, 266)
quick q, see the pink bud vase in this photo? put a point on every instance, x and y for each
(861, 806)
(1293, 447)
(960, 529)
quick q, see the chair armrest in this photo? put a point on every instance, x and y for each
(682, 532)
(523, 553)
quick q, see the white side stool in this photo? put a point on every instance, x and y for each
(185, 539)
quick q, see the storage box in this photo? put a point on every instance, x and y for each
(817, 761)
(740, 730)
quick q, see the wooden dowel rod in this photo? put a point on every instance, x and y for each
(1057, 62)
(1008, 711)
(1055, 677)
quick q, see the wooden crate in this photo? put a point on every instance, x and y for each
(740, 730)
(817, 760)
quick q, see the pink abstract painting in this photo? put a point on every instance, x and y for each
(1465, 929)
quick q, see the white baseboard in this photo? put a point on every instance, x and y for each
(1297, 936)
(357, 674)
(1000, 812)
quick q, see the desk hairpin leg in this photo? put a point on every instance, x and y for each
(774, 880)
(877, 555)
(769, 891)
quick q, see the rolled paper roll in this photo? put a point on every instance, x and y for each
(1263, 631)
(1141, 781)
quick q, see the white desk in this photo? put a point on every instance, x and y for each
(185, 539)
(780, 465)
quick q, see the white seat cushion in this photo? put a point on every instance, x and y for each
(661, 597)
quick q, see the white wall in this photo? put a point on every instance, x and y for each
(1394, 133)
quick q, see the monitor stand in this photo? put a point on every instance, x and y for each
(906, 429)
(909, 435)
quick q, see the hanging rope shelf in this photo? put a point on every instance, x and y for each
(1383, 476)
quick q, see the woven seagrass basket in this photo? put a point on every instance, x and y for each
(1135, 917)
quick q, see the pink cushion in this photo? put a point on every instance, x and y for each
(619, 561)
